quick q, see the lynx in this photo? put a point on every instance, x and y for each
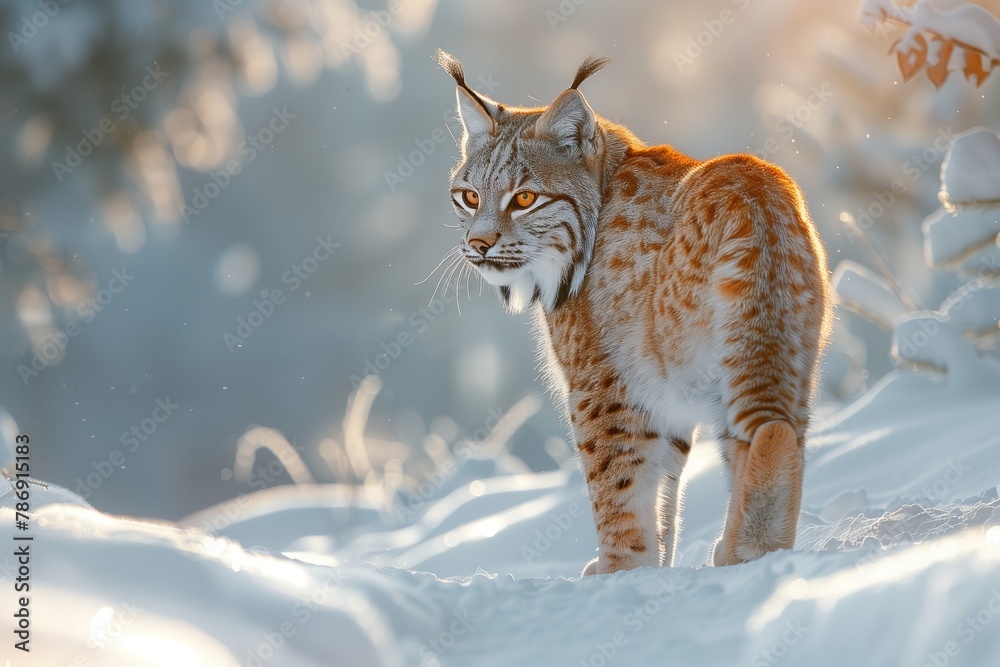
(671, 295)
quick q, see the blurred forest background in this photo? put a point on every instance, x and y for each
(168, 166)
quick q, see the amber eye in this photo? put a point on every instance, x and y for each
(471, 198)
(524, 199)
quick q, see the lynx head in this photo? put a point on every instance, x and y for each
(527, 190)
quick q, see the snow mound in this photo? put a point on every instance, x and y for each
(970, 173)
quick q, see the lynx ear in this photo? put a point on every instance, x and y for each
(478, 113)
(569, 121)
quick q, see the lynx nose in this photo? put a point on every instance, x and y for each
(483, 243)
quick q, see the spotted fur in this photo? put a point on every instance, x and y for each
(672, 294)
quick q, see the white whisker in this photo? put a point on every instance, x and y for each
(447, 272)
(443, 260)
(468, 279)
(455, 270)
(458, 287)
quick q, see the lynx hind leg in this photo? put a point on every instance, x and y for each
(669, 500)
(766, 496)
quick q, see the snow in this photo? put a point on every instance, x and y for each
(897, 562)
(927, 339)
(951, 238)
(866, 291)
(970, 173)
(974, 307)
(985, 262)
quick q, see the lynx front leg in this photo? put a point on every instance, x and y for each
(623, 481)
(624, 465)
(766, 496)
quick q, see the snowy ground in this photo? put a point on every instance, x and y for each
(897, 563)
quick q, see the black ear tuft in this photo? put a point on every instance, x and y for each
(450, 64)
(590, 66)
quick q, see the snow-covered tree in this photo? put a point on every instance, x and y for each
(960, 336)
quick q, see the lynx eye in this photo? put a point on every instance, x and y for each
(524, 199)
(471, 198)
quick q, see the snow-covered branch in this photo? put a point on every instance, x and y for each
(966, 38)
